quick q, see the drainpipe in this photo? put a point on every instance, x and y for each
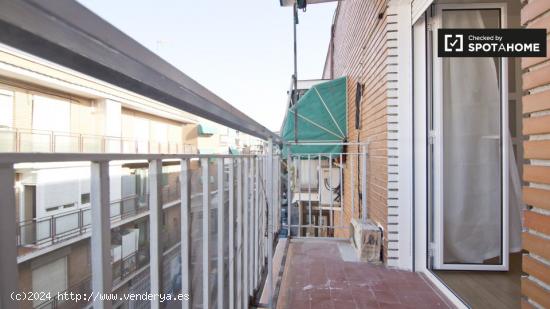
(332, 52)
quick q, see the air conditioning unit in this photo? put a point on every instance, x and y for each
(330, 181)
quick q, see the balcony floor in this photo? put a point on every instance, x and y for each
(317, 276)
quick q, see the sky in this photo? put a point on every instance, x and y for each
(240, 50)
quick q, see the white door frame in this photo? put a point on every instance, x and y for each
(420, 96)
(438, 145)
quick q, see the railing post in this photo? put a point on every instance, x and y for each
(231, 236)
(80, 220)
(364, 182)
(341, 184)
(8, 259)
(102, 278)
(52, 142)
(288, 194)
(205, 233)
(17, 141)
(256, 240)
(185, 231)
(310, 220)
(246, 227)
(155, 222)
(221, 217)
(319, 184)
(270, 208)
(330, 194)
(52, 228)
(239, 232)
(251, 227)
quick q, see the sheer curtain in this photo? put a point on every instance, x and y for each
(471, 153)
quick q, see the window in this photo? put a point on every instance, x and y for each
(84, 198)
(52, 208)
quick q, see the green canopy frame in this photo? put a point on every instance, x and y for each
(322, 118)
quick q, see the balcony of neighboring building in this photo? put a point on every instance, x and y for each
(54, 211)
(33, 140)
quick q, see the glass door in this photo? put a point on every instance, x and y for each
(468, 134)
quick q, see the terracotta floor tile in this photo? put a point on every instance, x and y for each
(315, 277)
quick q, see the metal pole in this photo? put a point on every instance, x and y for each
(288, 194)
(221, 217)
(251, 227)
(341, 191)
(364, 182)
(239, 232)
(299, 171)
(185, 231)
(295, 91)
(352, 176)
(330, 189)
(155, 222)
(246, 228)
(205, 233)
(309, 189)
(269, 179)
(256, 220)
(319, 203)
(231, 236)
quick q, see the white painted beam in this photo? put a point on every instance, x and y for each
(8, 259)
(155, 222)
(102, 279)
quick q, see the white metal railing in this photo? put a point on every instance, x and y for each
(38, 233)
(234, 247)
(318, 185)
(32, 140)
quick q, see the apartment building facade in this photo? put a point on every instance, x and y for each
(47, 108)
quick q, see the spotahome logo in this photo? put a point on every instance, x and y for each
(454, 42)
(491, 43)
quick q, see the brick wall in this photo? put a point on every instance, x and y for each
(359, 50)
(535, 286)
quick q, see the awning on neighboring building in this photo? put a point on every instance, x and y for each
(322, 118)
(207, 129)
(234, 151)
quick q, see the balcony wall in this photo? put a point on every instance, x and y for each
(536, 106)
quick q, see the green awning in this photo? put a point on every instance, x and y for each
(234, 151)
(207, 129)
(322, 118)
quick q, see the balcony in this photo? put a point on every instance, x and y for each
(214, 245)
(41, 233)
(221, 246)
(221, 243)
(30, 140)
